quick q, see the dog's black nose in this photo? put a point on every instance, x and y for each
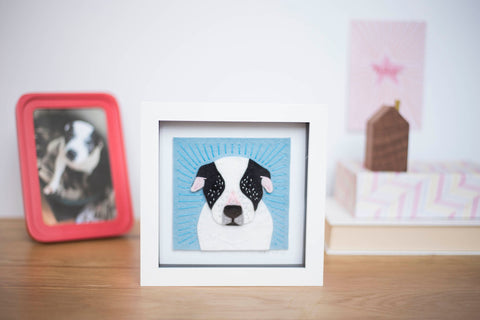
(232, 211)
(71, 154)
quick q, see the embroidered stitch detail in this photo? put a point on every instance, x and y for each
(214, 185)
(222, 223)
(251, 183)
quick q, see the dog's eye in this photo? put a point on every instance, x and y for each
(90, 145)
(68, 132)
(68, 136)
(251, 183)
(213, 188)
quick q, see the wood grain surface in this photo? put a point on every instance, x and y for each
(99, 279)
(386, 148)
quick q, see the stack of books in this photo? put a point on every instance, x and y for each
(431, 209)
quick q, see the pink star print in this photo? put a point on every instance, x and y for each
(387, 69)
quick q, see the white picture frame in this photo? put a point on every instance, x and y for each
(253, 120)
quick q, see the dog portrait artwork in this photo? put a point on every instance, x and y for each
(234, 215)
(236, 195)
(73, 167)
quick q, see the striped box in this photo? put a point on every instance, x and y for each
(446, 190)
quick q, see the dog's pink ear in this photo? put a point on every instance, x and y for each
(198, 184)
(267, 184)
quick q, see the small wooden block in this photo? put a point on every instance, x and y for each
(387, 141)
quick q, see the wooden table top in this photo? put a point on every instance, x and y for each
(99, 279)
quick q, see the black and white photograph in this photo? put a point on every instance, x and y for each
(73, 166)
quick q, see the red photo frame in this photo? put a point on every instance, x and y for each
(112, 204)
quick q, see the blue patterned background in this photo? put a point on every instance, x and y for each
(189, 154)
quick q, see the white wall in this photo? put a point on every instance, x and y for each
(230, 51)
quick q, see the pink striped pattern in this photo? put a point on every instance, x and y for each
(435, 190)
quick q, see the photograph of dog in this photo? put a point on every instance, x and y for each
(234, 216)
(231, 194)
(73, 166)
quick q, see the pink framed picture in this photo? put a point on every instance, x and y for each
(72, 160)
(386, 64)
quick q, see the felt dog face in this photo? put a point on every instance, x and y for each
(81, 140)
(233, 188)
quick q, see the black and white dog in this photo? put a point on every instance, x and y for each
(78, 172)
(80, 150)
(234, 216)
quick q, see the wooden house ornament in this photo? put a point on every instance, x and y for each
(387, 140)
